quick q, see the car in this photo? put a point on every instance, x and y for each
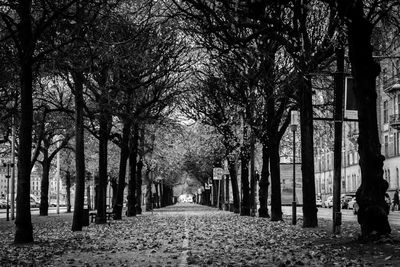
(344, 201)
(3, 203)
(34, 204)
(328, 203)
(318, 202)
(352, 204)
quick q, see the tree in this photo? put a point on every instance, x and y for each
(25, 22)
(359, 18)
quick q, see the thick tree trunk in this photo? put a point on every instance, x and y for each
(373, 212)
(23, 222)
(131, 210)
(307, 155)
(117, 209)
(77, 220)
(245, 210)
(44, 185)
(276, 203)
(103, 148)
(235, 186)
(68, 190)
(264, 184)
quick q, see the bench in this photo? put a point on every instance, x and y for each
(93, 214)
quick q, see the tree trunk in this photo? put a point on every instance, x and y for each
(307, 154)
(373, 211)
(276, 202)
(79, 153)
(114, 189)
(149, 198)
(157, 196)
(253, 182)
(162, 204)
(245, 210)
(44, 185)
(117, 209)
(68, 189)
(23, 222)
(131, 210)
(89, 196)
(264, 183)
(102, 186)
(235, 186)
(139, 168)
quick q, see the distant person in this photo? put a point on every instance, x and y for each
(396, 200)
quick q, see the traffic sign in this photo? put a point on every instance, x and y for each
(217, 173)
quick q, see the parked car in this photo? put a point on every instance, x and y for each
(318, 202)
(328, 203)
(344, 201)
(3, 203)
(353, 205)
(34, 204)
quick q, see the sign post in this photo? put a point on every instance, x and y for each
(217, 175)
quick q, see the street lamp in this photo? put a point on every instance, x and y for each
(294, 122)
(8, 176)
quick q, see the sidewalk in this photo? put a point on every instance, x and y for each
(192, 235)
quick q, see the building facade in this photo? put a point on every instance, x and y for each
(388, 110)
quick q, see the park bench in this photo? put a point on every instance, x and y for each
(93, 214)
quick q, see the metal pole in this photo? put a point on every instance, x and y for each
(58, 179)
(294, 219)
(8, 191)
(13, 169)
(338, 115)
(252, 176)
(218, 193)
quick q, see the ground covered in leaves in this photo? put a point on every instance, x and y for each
(193, 235)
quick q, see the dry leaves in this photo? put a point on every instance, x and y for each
(216, 238)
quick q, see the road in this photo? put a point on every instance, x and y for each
(34, 211)
(347, 215)
(323, 213)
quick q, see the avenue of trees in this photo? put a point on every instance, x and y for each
(111, 78)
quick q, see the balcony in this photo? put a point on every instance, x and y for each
(394, 121)
(392, 86)
(352, 136)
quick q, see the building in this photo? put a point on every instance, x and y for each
(388, 110)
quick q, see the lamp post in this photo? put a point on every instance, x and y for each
(8, 176)
(294, 122)
(13, 169)
(58, 179)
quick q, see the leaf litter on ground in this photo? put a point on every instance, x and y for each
(216, 238)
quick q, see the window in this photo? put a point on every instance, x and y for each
(398, 104)
(386, 145)
(385, 112)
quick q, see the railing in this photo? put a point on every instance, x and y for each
(394, 121)
(388, 84)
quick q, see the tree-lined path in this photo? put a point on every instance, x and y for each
(191, 235)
